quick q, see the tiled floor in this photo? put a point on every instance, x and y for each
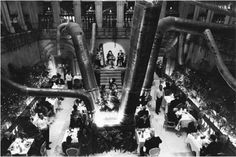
(172, 145)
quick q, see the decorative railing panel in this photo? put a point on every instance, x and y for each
(45, 21)
(13, 41)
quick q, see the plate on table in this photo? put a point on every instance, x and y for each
(11, 148)
(27, 145)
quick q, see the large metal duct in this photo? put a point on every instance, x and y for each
(93, 40)
(45, 92)
(145, 19)
(59, 28)
(222, 68)
(84, 60)
(181, 25)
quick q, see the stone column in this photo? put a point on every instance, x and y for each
(98, 12)
(163, 10)
(210, 15)
(56, 13)
(20, 15)
(227, 19)
(183, 9)
(77, 11)
(196, 12)
(5, 17)
(33, 16)
(120, 14)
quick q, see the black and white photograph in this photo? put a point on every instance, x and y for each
(118, 78)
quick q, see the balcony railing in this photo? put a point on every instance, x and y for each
(13, 41)
(88, 19)
(128, 20)
(109, 20)
(45, 21)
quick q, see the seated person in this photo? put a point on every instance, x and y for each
(76, 121)
(6, 142)
(152, 142)
(143, 111)
(75, 110)
(84, 136)
(172, 109)
(67, 144)
(59, 80)
(142, 119)
(221, 140)
(212, 148)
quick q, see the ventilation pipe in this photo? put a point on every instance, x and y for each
(145, 21)
(181, 25)
(59, 28)
(225, 73)
(93, 39)
(85, 64)
(45, 92)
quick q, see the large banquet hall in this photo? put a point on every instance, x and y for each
(118, 78)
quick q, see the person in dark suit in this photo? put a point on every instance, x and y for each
(67, 144)
(143, 122)
(152, 142)
(212, 149)
(6, 142)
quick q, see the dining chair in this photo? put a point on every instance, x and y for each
(167, 123)
(72, 152)
(43, 150)
(154, 152)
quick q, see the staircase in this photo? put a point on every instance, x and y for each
(106, 74)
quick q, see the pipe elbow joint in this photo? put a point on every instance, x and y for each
(166, 23)
(74, 29)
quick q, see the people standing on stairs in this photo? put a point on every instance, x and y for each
(160, 94)
(98, 60)
(110, 59)
(120, 59)
(69, 79)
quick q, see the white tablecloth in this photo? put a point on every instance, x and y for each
(54, 102)
(186, 118)
(20, 146)
(166, 100)
(72, 133)
(142, 135)
(196, 142)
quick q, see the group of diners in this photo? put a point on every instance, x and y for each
(146, 139)
(79, 135)
(110, 97)
(202, 139)
(31, 135)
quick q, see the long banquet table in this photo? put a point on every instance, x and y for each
(196, 141)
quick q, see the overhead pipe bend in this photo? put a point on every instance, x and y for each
(85, 64)
(222, 68)
(181, 25)
(45, 92)
(59, 28)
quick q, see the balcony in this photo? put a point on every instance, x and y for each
(14, 41)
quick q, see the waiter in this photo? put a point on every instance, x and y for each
(43, 124)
